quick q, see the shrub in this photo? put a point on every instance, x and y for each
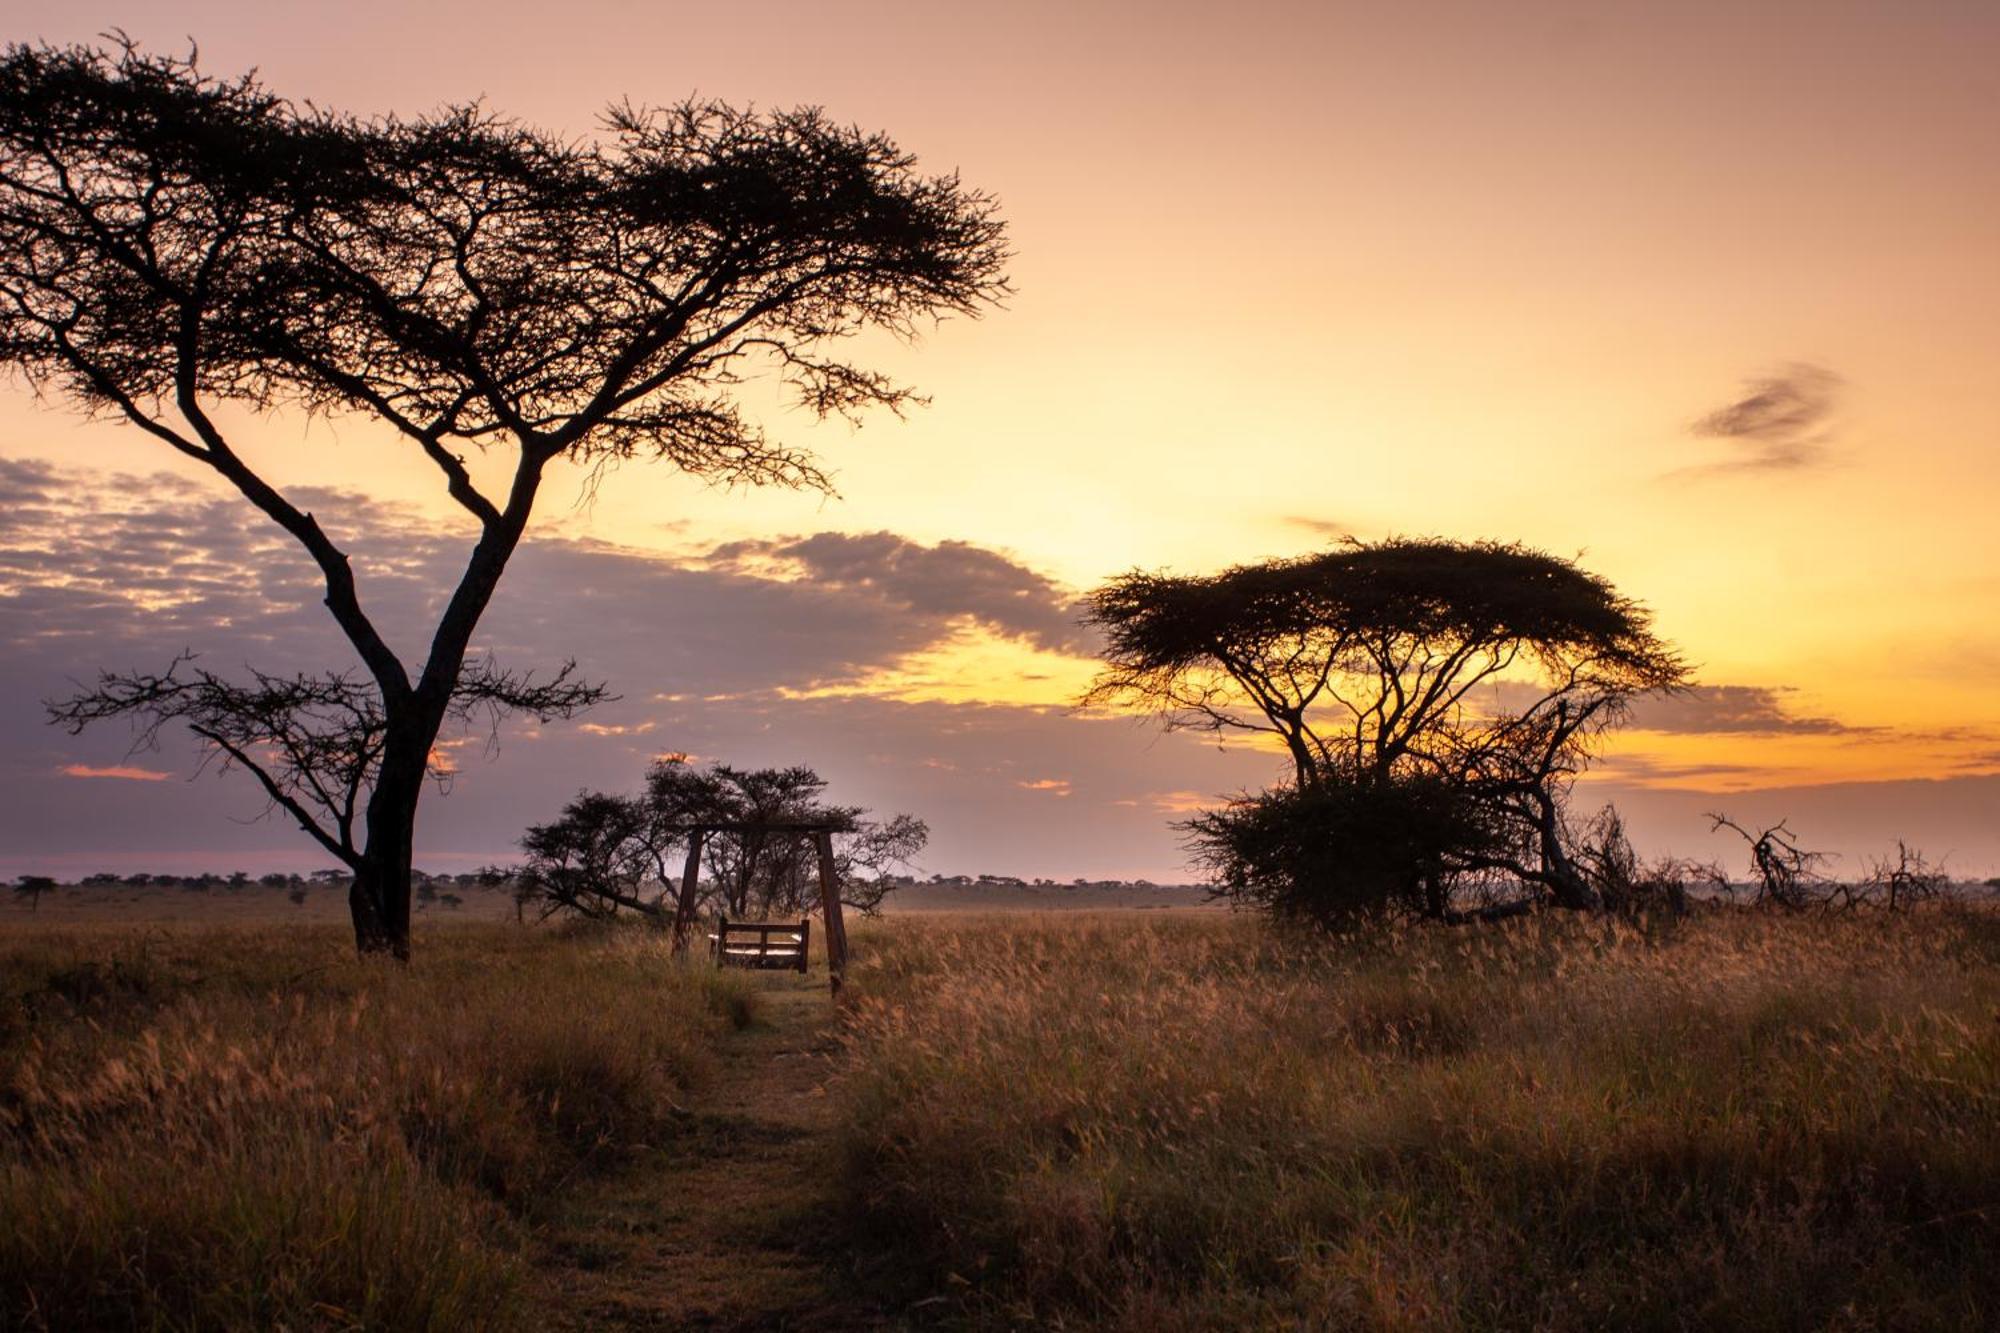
(1345, 849)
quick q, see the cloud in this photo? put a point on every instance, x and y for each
(952, 580)
(710, 654)
(1712, 710)
(1984, 762)
(1329, 528)
(127, 772)
(1644, 771)
(1705, 710)
(1781, 422)
(125, 571)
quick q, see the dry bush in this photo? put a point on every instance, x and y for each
(1723, 1119)
(253, 1129)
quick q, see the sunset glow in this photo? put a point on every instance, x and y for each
(1706, 296)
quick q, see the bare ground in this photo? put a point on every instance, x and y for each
(719, 1229)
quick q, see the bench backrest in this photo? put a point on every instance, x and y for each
(762, 943)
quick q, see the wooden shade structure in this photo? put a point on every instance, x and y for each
(821, 832)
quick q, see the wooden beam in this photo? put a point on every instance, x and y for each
(765, 826)
(684, 909)
(829, 904)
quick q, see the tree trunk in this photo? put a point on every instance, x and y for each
(380, 898)
(364, 904)
(1437, 903)
(1568, 885)
(829, 900)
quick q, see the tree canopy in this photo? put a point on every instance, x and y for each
(1370, 656)
(172, 242)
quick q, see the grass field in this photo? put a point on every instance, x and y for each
(1730, 1121)
(1086, 1120)
(250, 1128)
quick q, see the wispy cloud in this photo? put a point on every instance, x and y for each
(1712, 710)
(1646, 771)
(1780, 422)
(1330, 528)
(124, 772)
(1705, 710)
(615, 729)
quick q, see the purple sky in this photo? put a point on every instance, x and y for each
(711, 654)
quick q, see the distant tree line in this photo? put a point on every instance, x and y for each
(488, 877)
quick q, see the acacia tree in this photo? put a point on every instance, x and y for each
(602, 855)
(608, 853)
(1430, 694)
(32, 887)
(770, 871)
(172, 243)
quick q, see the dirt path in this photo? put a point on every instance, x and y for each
(715, 1230)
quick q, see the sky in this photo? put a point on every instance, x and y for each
(1706, 296)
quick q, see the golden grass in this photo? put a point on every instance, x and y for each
(1182, 1122)
(254, 1129)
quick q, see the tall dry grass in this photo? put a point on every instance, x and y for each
(1732, 1121)
(254, 1129)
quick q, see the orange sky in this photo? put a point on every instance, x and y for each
(1289, 270)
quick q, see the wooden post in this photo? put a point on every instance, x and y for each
(829, 904)
(684, 910)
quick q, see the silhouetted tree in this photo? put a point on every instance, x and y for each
(172, 243)
(593, 860)
(1909, 879)
(1786, 875)
(32, 887)
(608, 853)
(1628, 885)
(1444, 692)
(758, 870)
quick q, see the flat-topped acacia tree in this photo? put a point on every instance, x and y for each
(1452, 690)
(171, 242)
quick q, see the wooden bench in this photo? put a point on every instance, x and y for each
(762, 944)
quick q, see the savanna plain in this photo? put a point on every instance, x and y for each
(1124, 1119)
